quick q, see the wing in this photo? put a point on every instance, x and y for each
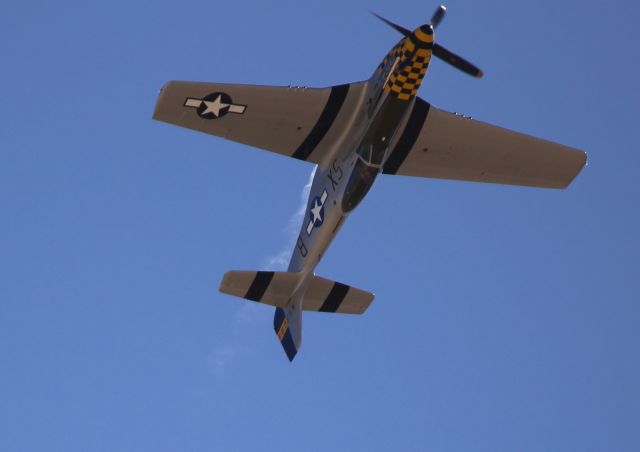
(435, 143)
(297, 122)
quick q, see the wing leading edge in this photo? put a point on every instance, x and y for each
(297, 122)
(443, 145)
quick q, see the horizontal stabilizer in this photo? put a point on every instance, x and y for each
(325, 295)
(274, 288)
(277, 288)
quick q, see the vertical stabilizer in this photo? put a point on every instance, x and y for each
(287, 323)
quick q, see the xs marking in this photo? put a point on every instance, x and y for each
(335, 174)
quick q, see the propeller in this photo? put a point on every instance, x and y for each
(438, 16)
(456, 61)
(396, 27)
(439, 51)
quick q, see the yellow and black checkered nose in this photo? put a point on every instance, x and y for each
(414, 54)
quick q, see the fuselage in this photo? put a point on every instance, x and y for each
(343, 179)
(352, 132)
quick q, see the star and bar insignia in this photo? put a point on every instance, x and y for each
(214, 106)
(317, 212)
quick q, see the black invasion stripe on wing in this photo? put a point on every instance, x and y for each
(408, 138)
(335, 298)
(259, 286)
(327, 117)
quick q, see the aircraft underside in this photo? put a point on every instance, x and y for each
(355, 132)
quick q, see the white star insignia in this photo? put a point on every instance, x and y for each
(215, 106)
(316, 211)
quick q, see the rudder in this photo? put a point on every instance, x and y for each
(287, 323)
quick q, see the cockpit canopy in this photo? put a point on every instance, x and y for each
(373, 154)
(360, 182)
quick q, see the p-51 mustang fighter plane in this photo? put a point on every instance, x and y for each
(354, 132)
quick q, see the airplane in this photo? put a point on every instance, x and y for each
(353, 133)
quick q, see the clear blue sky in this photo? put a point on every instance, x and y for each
(505, 318)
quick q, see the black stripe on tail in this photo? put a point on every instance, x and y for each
(259, 286)
(335, 297)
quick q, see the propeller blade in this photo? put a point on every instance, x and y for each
(456, 61)
(438, 16)
(396, 27)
